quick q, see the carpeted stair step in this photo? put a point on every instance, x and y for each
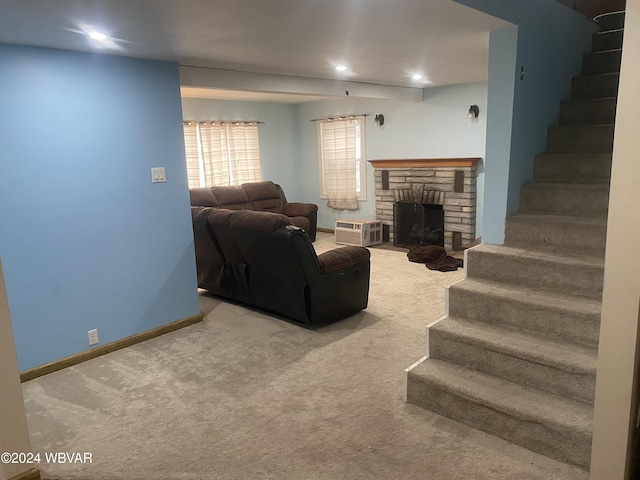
(575, 199)
(536, 231)
(595, 86)
(557, 427)
(609, 40)
(572, 168)
(610, 21)
(542, 271)
(531, 361)
(597, 63)
(573, 319)
(580, 139)
(600, 111)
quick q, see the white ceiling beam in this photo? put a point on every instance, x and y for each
(259, 82)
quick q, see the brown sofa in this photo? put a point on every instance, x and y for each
(261, 197)
(262, 260)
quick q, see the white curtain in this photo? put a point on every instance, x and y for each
(226, 153)
(191, 151)
(244, 153)
(215, 154)
(339, 163)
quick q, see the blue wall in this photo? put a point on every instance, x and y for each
(502, 61)
(434, 128)
(547, 42)
(85, 238)
(278, 138)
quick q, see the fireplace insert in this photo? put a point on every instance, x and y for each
(417, 224)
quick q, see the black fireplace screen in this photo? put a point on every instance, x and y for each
(417, 224)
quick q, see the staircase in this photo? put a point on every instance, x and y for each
(516, 354)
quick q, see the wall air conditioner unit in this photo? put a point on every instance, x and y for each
(361, 233)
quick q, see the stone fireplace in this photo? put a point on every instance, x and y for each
(453, 178)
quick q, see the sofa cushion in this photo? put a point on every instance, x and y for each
(260, 190)
(273, 205)
(202, 197)
(232, 197)
(264, 196)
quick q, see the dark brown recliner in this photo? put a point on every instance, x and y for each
(210, 262)
(264, 261)
(261, 197)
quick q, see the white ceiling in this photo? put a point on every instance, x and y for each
(381, 41)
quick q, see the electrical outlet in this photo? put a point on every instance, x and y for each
(93, 336)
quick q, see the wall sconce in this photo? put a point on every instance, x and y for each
(473, 112)
(378, 120)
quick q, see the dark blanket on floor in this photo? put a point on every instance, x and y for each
(434, 257)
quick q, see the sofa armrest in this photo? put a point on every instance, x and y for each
(344, 257)
(297, 209)
(342, 289)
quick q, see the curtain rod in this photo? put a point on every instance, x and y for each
(341, 117)
(223, 122)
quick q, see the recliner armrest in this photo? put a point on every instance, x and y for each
(297, 209)
(344, 257)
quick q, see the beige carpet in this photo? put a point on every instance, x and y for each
(248, 396)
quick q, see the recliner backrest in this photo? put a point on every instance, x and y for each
(202, 197)
(232, 197)
(264, 196)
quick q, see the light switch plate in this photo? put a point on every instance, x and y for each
(158, 175)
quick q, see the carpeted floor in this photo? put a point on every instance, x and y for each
(244, 395)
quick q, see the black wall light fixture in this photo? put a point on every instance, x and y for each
(378, 120)
(473, 112)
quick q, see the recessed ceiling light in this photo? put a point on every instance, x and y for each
(341, 68)
(416, 76)
(98, 35)
(97, 38)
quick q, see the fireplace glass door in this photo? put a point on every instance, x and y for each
(417, 224)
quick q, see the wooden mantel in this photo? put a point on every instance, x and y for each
(425, 162)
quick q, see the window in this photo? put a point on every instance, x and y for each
(222, 153)
(342, 162)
